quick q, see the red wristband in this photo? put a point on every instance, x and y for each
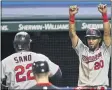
(105, 18)
(72, 19)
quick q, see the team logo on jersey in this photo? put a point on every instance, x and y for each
(85, 58)
(88, 59)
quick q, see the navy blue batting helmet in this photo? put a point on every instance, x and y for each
(40, 67)
(93, 33)
(22, 41)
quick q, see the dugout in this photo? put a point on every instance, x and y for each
(50, 37)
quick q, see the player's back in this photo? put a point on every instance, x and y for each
(18, 69)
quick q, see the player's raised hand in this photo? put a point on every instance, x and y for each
(73, 10)
(102, 8)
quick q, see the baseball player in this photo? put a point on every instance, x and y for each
(17, 68)
(94, 58)
(41, 72)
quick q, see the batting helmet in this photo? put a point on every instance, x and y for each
(40, 67)
(93, 32)
(22, 41)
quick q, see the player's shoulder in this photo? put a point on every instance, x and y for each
(55, 87)
(36, 54)
(33, 88)
(8, 57)
(40, 55)
(104, 45)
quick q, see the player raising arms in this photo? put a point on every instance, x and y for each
(17, 68)
(93, 58)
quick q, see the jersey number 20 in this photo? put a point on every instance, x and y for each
(21, 70)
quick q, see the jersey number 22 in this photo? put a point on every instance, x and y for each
(21, 70)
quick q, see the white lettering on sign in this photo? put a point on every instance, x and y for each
(86, 26)
(4, 27)
(44, 27)
(30, 27)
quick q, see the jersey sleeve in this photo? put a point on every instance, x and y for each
(53, 67)
(2, 70)
(5, 71)
(80, 47)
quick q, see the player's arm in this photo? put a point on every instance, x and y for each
(57, 75)
(55, 71)
(3, 76)
(72, 28)
(107, 37)
(3, 83)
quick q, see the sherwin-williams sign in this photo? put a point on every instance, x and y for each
(49, 25)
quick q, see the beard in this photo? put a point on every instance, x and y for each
(91, 48)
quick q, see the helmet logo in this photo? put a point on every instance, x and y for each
(42, 70)
(92, 31)
(22, 38)
(42, 64)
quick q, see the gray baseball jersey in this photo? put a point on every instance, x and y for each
(18, 69)
(93, 66)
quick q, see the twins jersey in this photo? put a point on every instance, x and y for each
(18, 69)
(93, 66)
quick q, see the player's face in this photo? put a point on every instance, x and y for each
(93, 42)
